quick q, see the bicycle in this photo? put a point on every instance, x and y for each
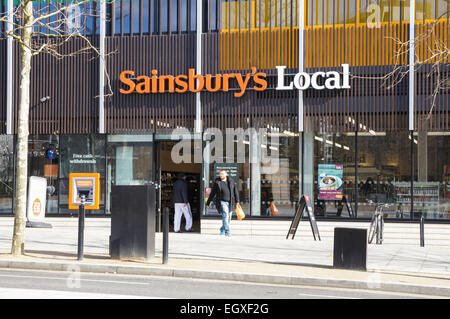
(377, 223)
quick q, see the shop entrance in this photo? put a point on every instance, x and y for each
(167, 172)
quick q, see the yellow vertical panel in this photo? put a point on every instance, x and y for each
(420, 43)
(364, 46)
(262, 49)
(445, 32)
(351, 42)
(348, 48)
(322, 55)
(338, 46)
(286, 52)
(259, 46)
(435, 40)
(427, 46)
(308, 48)
(323, 51)
(232, 51)
(313, 49)
(278, 47)
(228, 51)
(268, 43)
(386, 41)
(371, 46)
(329, 48)
(317, 44)
(376, 46)
(306, 56)
(222, 51)
(395, 45)
(361, 45)
(389, 57)
(241, 51)
(331, 51)
(286, 46)
(272, 46)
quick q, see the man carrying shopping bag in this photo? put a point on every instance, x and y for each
(226, 193)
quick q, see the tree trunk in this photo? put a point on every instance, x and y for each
(20, 204)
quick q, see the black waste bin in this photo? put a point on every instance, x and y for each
(133, 220)
(350, 248)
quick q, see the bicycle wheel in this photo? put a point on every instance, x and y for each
(372, 228)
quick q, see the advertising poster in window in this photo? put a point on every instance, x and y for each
(330, 181)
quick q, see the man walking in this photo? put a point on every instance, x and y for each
(182, 207)
(226, 193)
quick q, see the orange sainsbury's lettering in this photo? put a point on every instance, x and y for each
(127, 81)
(182, 84)
(260, 78)
(192, 82)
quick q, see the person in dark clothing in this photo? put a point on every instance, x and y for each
(182, 207)
(226, 193)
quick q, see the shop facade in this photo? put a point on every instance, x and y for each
(354, 141)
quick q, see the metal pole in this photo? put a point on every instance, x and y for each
(303, 166)
(422, 231)
(411, 65)
(412, 175)
(81, 228)
(356, 188)
(166, 235)
(198, 67)
(9, 69)
(301, 26)
(101, 82)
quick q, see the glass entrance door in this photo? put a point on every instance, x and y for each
(169, 168)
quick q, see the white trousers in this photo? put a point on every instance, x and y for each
(180, 210)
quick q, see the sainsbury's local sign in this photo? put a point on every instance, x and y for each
(193, 82)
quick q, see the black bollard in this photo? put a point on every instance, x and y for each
(165, 235)
(422, 231)
(81, 228)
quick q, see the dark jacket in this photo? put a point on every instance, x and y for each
(180, 192)
(216, 191)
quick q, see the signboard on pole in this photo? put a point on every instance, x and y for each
(37, 198)
(304, 204)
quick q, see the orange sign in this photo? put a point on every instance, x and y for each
(51, 170)
(86, 182)
(37, 207)
(192, 82)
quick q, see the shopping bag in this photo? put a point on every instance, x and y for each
(273, 209)
(239, 212)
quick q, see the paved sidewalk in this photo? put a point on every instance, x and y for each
(62, 238)
(258, 259)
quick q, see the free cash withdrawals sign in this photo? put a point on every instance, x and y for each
(330, 181)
